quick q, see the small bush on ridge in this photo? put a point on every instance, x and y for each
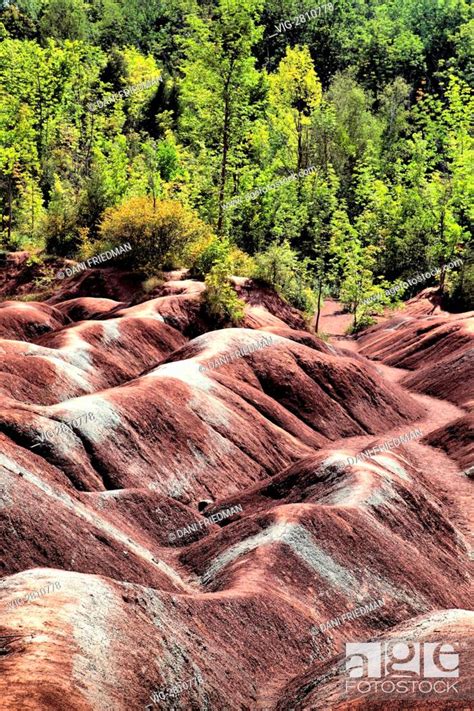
(220, 300)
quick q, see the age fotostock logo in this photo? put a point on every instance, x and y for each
(405, 667)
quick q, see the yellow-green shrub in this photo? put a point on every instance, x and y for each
(220, 300)
(242, 263)
(160, 236)
(213, 250)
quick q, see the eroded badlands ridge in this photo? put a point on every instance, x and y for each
(99, 506)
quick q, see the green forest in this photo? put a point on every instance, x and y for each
(324, 149)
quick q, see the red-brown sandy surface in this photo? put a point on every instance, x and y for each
(147, 594)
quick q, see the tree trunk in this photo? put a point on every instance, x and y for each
(300, 156)
(443, 271)
(320, 290)
(225, 149)
(300, 144)
(461, 284)
(41, 117)
(88, 147)
(356, 304)
(153, 192)
(4, 207)
(10, 200)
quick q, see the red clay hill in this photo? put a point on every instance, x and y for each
(194, 518)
